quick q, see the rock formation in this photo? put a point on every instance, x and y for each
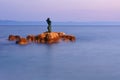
(13, 37)
(45, 38)
(48, 37)
(22, 41)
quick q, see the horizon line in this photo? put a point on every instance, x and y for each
(53, 21)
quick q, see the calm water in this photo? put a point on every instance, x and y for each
(94, 56)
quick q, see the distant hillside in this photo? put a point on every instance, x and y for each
(10, 22)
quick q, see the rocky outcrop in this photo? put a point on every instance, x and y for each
(68, 38)
(22, 41)
(30, 38)
(13, 37)
(45, 38)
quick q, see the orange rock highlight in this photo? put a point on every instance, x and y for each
(13, 37)
(22, 41)
(45, 38)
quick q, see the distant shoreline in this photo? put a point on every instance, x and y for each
(10, 22)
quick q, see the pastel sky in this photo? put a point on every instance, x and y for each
(60, 10)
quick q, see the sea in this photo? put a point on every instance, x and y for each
(95, 55)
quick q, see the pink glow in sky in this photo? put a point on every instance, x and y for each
(60, 10)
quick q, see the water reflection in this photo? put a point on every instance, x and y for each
(48, 55)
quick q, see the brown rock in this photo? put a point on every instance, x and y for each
(31, 38)
(13, 37)
(22, 41)
(68, 38)
(46, 37)
(52, 37)
(61, 34)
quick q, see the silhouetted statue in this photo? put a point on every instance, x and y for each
(49, 24)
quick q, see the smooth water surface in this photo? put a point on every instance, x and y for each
(94, 56)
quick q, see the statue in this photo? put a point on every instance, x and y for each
(49, 25)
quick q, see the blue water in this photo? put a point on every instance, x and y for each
(94, 56)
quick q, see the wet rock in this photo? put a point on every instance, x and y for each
(30, 38)
(13, 37)
(47, 37)
(68, 38)
(60, 34)
(44, 38)
(22, 41)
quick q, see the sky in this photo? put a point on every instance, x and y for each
(60, 10)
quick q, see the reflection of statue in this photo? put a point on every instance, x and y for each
(49, 24)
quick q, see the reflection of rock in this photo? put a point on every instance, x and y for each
(22, 41)
(46, 37)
